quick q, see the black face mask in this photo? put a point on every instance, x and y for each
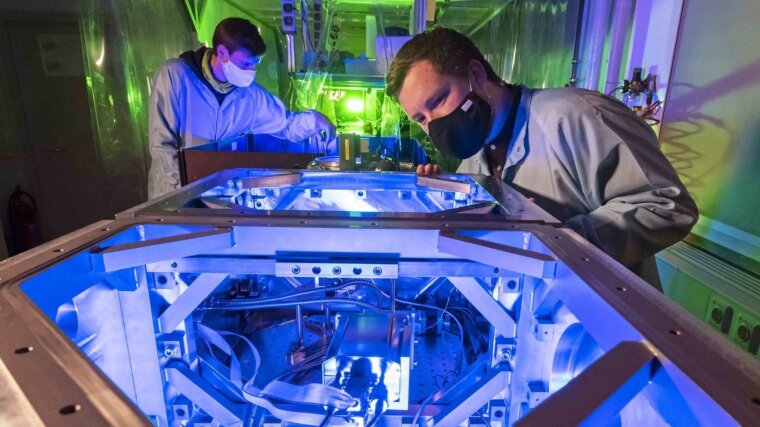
(463, 132)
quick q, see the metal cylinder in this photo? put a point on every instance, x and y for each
(621, 24)
(577, 43)
(419, 16)
(594, 35)
(291, 53)
(299, 326)
(393, 297)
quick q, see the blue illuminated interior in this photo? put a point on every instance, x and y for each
(348, 192)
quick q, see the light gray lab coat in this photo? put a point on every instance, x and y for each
(592, 164)
(185, 113)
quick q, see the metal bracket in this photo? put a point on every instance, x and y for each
(481, 298)
(281, 180)
(444, 184)
(135, 254)
(483, 391)
(189, 384)
(193, 296)
(336, 270)
(514, 259)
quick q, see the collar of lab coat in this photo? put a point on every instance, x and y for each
(518, 145)
(233, 95)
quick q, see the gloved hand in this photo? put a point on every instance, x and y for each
(324, 132)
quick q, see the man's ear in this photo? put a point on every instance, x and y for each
(222, 53)
(478, 75)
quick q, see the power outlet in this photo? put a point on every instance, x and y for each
(746, 332)
(719, 314)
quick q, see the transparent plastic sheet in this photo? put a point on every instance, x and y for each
(531, 42)
(125, 41)
(315, 87)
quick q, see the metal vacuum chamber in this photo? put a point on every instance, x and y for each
(266, 298)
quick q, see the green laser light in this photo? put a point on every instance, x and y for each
(354, 105)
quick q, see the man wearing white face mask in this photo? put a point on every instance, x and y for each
(210, 94)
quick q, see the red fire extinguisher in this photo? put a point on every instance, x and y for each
(22, 212)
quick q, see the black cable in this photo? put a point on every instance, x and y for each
(328, 417)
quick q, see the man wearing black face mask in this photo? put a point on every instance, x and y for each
(582, 156)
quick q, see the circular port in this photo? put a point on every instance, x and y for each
(716, 315)
(743, 332)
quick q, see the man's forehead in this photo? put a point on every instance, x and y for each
(422, 73)
(244, 55)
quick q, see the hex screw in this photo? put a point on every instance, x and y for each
(296, 269)
(377, 271)
(505, 354)
(336, 270)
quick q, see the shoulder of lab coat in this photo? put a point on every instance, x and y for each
(636, 201)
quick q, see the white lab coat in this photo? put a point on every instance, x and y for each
(185, 113)
(591, 163)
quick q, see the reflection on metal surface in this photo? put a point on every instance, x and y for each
(343, 192)
(213, 316)
(366, 195)
(576, 350)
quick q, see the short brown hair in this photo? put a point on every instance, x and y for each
(238, 33)
(449, 51)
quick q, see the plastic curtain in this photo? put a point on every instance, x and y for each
(531, 42)
(125, 41)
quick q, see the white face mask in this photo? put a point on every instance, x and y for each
(237, 76)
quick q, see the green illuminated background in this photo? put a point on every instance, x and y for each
(528, 41)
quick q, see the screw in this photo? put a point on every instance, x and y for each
(357, 271)
(377, 271)
(505, 354)
(174, 265)
(24, 350)
(296, 269)
(336, 270)
(70, 409)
